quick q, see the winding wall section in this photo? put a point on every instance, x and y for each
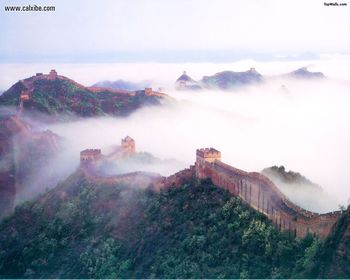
(261, 194)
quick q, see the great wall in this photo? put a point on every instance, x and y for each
(28, 88)
(253, 188)
(262, 194)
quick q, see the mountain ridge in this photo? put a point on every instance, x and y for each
(59, 96)
(195, 230)
(228, 80)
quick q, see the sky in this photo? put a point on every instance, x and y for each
(93, 31)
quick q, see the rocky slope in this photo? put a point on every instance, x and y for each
(23, 153)
(9, 126)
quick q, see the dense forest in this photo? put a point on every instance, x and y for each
(82, 230)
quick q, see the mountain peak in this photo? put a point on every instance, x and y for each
(186, 82)
(185, 77)
(304, 73)
(231, 79)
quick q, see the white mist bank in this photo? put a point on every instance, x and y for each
(305, 128)
(334, 66)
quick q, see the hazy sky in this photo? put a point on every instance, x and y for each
(169, 30)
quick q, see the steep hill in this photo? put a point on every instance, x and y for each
(23, 153)
(289, 177)
(185, 82)
(82, 229)
(301, 190)
(332, 258)
(60, 96)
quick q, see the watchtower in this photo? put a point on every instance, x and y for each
(128, 146)
(208, 154)
(90, 156)
(204, 157)
(53, 74)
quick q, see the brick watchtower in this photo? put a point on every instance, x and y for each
(90, 156)
(53, 74)
(204, 157)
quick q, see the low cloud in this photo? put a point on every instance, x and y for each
(304, 126)
(301, 124)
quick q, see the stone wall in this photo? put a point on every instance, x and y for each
(261, 194)
(254, 188)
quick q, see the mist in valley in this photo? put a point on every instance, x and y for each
(301, 124)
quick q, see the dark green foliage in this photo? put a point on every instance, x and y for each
(63, 98)
(331, 258)
(83, 230)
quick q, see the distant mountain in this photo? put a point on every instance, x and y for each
(185, 82)
(301, 190)
(229, 79)
(290, 177)
(125, 85)
(303, 73)
(60, 96)
(225, 80)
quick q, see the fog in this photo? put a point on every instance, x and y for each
(303, 125)
(308, 197)
(334, 66)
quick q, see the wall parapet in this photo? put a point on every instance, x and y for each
(263, 195)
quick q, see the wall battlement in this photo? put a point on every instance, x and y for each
(90, 156)
(53, 75)
(262, 194)
(209, 154)
(150, 92)
(253, 188)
